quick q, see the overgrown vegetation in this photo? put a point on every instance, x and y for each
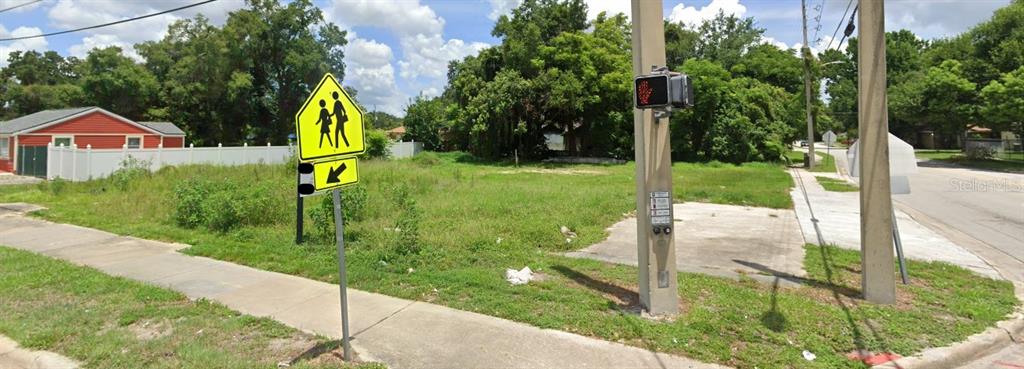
(556, 72)
(110, 322)
(509, 217)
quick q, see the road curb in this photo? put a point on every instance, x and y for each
(13, 355)
(1005, 333)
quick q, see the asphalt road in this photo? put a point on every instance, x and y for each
(987, 206)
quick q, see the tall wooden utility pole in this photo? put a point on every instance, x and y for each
(876, 241)
(806, 51)
(656, 251)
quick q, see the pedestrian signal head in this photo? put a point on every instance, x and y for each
(663, 90)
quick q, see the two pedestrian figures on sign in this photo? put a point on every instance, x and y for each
(325, 122)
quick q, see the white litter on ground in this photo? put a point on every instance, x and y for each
(517, 277)
(809, 356)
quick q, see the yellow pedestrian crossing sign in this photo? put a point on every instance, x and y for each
(329, 123)
(335, 173)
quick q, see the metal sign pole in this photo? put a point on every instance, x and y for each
(339, 225)
(298, 210)
(899, 249)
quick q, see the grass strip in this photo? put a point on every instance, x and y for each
(110, 322)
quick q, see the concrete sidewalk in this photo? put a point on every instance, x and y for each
(719, 240)
(836, 217)
(397, 332)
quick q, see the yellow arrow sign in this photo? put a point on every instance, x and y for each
(329, 123)
(335, 173)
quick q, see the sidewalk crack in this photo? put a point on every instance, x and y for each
(354, 335)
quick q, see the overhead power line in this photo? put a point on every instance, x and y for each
(849, 26)
(108, 24)
(18, 6)
(839, 25)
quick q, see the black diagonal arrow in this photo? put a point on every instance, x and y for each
(332, 177)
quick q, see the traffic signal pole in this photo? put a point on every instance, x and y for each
(656, 251)
(876, 215)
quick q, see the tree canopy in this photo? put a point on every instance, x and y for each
(240, 82)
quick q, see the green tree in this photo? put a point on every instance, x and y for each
(32, 68)
(725, 38)
(941, 98)
(425, 121)
(115, 82)
(1003, 107)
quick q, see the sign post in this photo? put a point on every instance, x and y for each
(329, 132)
(339, 235)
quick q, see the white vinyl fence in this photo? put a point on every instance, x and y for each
(405, 149)
(78, 164)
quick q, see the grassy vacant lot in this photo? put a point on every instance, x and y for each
(836, 185)
(1005, 163)
(108, 322)
(477, 219)
(825, 164)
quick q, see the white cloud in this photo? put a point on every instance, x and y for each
(594, 7)
(38, 44)
(428, 56)
(938, 18)
(693, 17)
(69, 14)
(773, 41)
(425, 52)
(502, 7)
(404, 18)
(369, 70)
(612, 7)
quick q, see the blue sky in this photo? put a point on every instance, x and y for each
(399, 49)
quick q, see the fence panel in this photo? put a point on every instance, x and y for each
(83, 164)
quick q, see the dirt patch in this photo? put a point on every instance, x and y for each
(304, 348)
(554, 171)
(146, 330)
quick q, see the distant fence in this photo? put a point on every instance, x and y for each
(405, 149)
(77, 164)
(74, 163)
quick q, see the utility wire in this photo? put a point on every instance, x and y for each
(849, 26)
(18, 6)
(839, 25)
(108, 24)
(817, 22)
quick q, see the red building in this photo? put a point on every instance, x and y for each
(89, 126)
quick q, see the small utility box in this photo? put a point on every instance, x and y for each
(902, 163)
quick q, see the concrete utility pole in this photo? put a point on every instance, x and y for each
(656, 252)
(876, 241)
(806, 51)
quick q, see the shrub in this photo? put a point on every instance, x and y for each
(189, 197)
(129, 171)
(427, 159)
(57, 187)
(980, 153)
(377, 143)
(353, 207)
(256, 205)
(219, 211)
